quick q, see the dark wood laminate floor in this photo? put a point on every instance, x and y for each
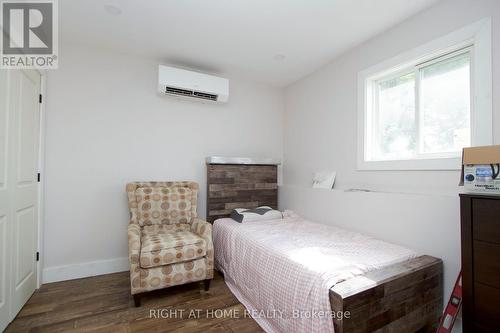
(103, 304)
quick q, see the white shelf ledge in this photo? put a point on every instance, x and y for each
(242, 160)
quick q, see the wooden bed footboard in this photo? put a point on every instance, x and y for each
(405, 297)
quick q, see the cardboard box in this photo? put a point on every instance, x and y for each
(480, 169)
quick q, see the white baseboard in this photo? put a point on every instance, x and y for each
(86, 269)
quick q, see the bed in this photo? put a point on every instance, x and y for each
(297, 276)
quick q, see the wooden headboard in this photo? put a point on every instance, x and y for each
(244, 185)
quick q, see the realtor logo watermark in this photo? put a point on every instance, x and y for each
(29, 34)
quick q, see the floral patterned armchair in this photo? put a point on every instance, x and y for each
(168, 244)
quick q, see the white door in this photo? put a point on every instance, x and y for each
(4, 204)
(23, 178)
(21, 187)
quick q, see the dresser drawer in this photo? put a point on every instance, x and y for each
(486, 220)
(487, 263)
(487, 306)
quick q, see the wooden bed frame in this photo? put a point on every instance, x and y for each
(404, 297)
(401, 298)
(231, 186)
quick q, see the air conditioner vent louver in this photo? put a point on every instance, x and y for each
(190, 93)
(177, 91)
(205, 96)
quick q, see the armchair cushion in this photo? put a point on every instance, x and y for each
(163, 205)
(158, 249)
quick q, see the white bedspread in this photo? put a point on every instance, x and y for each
(281, 270)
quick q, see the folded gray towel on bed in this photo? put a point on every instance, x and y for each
(255, 214)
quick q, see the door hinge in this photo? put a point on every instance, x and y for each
(40, 98)
(38, 177)
(38, 256)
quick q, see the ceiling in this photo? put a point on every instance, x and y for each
(270, 41)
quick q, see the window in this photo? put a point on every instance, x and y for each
(422, 111)
(418, 113)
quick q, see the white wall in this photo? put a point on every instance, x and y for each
(106, 126)
(321, 134)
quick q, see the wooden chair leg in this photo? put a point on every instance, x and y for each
(206, 284)
(137, 300)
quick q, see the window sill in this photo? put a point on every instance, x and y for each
(453, 163)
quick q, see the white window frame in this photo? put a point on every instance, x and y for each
(477, 37)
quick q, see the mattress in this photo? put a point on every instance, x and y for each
(282, 270)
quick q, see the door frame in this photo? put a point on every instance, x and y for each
(41, 170)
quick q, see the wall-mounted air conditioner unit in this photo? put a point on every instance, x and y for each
(193, 85)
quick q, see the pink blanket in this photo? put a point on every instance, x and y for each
(281, 270)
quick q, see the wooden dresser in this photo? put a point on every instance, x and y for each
(480, 229)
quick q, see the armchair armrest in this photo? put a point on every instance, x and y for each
(134, 242)
(204, 230)
(134, 250)
(134, 233)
